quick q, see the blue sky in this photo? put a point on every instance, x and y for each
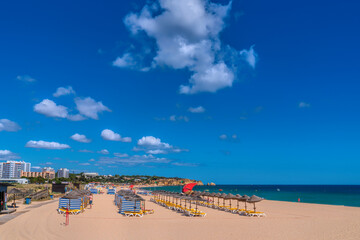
(243, 92)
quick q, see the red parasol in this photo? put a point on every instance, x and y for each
(188, 187)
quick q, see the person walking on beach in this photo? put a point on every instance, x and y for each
(91, 200)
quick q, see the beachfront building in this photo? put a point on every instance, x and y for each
(14, 180)
(63, 173)
(3, 196)
(47, 173)
(90, 175)
(12, 169)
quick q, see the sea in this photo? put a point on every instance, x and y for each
(346, 195)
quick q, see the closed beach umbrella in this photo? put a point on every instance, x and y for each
(254, 199)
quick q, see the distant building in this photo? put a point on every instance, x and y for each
(12, 169)
(47, 173)
(14, 180)
(90, 175)
(63, 173)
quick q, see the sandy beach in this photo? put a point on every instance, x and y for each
(284, 220)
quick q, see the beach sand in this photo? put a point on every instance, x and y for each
(285, 220)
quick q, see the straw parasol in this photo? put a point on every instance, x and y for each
(223, 196)
(218, 195)
(230, 196)
(14, 191)
(244, 199)
(254, 199)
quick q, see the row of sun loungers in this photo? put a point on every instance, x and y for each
(188, 211)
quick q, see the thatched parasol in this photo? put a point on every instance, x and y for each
(254, 199)
(230, 196)
(244, 199)
(14, 191)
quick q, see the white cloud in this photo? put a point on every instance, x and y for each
(80, 138)
(109, 135)
(223, 136)
(150, 141)
(26, 78)
(50, 109)
(61, 91)
(134, 160)
(46, 145)
(125, 61)
(231, 138)
(153, 145)
(89, 107)
(249, 56)
(76, 117)
(84, 164)
(91, 160)
(8, 155)
(103, 151)
(174, 118)
(186, 34)
(304, 105)
(211, 79)
(85, 151)
(199, 109)
(121, 154)
(9, 126)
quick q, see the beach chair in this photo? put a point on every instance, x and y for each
(255, 214)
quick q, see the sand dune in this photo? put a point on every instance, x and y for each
(285, 220)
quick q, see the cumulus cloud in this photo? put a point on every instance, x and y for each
(9, 126)
(46, 145)
(103, 151)
(26, 78)
(61, 91)
(121, 154)
(125, 61)
(187, 36)
(232, 137)
(304, 105)
(90, 108)
(199, 109)
(80, 138)
(84, 164)
(50, 109)
(110, 135)
(8, 155)
(134, 160)
(174, 118)
(153, 145)
(85, 151)
(91, 160)
(249, 56)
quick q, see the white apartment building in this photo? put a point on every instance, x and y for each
(63, 172)
(12, 169)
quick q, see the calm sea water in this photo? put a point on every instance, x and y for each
(347, 195)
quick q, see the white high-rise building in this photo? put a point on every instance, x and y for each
(12, 169)
(1, 169)
(63, 173)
